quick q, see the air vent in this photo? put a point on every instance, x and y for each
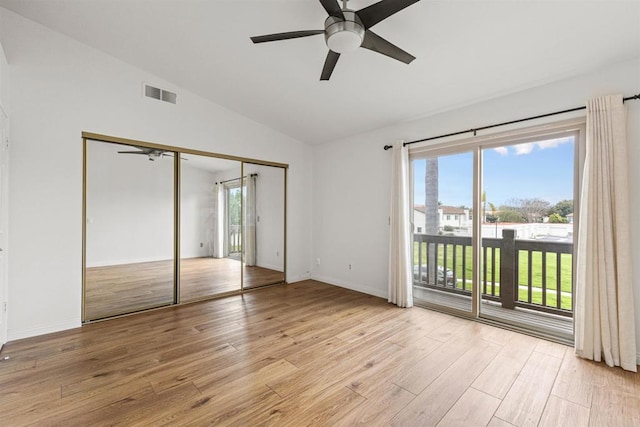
(161, 94)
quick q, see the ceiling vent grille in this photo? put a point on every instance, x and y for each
(160, 94)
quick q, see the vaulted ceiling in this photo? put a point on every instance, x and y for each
(467, 51)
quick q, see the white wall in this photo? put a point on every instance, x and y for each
(197, 216)
(351, 182)
(270, 216)
(129, 207)
(60, 88)
(4, 81)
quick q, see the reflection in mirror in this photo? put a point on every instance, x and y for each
(264, 225)
(129, 229)
(210, 239)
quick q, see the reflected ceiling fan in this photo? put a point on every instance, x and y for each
(152, 153)
(346, 30)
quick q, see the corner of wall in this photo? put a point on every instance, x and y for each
(352, 286)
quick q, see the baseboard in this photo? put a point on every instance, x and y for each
(352, 286)
(107, 263)
(270, 266)
(41, 330)
(298, 278)
(638, 359)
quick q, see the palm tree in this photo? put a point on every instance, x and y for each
(431, 196)
(431, 212)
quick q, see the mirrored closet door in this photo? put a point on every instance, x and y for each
(264, 230)
(210, 227)
(166, 225)
(129, 244)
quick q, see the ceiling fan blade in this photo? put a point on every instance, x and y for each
(333, 8)
(329, 65)
(374, 42)
(133, 152)
(375, 13)
(285, 36)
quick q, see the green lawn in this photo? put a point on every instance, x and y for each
(536, 273)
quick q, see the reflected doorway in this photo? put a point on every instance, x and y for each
(209, 254)
(233, 231)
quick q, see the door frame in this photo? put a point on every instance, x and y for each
(4, 224)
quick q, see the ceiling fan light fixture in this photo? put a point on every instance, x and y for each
(344, 41)
(153, 155)
(344, 35)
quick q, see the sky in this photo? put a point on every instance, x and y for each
(542, 169)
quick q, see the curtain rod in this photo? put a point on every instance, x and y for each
(474, 130)
(236, 179)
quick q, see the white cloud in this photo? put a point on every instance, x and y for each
(528, 147)
(525, 148)
(553, 143)
(503, 151)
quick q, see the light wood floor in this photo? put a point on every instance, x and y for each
(126, 288)
(306, 354)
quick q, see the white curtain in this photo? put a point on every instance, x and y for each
(604, 312)
(250, 223)
(400, 280)
(220, 247)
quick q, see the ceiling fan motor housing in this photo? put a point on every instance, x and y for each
(344, 35)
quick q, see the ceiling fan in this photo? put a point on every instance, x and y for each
(152, 153)
(346, 30)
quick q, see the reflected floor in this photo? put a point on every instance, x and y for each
(126, 288)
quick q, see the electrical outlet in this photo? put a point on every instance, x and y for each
(277, 253)
(317, 261)
(201, 244)
(349, 266)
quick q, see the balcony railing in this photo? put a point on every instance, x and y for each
(235, 239)
(532, 274)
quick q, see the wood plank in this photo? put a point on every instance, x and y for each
(497, 422)
(474, 408)
(368, 382)
(424, 372)
(612, 407)
(501, 373)
(431, 405)
(562, 413)
(525, 401)
(311, 408)
(378, 409)
(577, 379)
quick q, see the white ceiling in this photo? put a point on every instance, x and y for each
(467, 51)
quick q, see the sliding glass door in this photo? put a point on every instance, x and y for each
(443, 261)
(528, 223)
(493, 229)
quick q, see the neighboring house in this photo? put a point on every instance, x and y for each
(447, 216)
